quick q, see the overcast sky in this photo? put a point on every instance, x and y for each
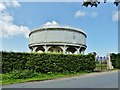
(19, 18)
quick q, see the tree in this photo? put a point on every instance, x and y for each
(97, 2)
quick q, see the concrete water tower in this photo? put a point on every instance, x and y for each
(52, 37)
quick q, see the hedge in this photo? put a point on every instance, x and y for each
(45, 63)
(115, 59)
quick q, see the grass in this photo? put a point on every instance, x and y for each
(30, 76)
(6, 80)
(40, 77)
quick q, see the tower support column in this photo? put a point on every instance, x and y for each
(78, 50)
(64, 49)
(34, 49)
(46, 48)
(82, 52)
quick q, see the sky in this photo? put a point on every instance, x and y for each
(17, 19)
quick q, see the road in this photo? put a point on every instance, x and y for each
(94, 80)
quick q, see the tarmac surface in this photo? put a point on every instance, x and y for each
(94, 80)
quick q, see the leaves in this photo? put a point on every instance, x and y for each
(115, 59)
(95, 3)
(44, 63)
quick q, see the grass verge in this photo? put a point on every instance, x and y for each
(39, 77)
(7, 79)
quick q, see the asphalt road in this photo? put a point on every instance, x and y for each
(96, 80)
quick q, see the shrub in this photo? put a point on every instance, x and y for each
(115, 59)
(45, 63)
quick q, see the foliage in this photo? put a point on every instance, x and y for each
(19, 74)
(46, 63)
(8, 79)
(96, 2)
(115, 59)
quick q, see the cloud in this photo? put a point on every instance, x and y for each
(94, 14)
(6, 18)
(51, 23)
(10, 29)
(15, 3)
(2, 6)
(116, 15)
(7, 26)
(12, 3)
(80, 13)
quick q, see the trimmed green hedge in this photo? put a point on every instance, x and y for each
(115, 59)
(45, 63)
